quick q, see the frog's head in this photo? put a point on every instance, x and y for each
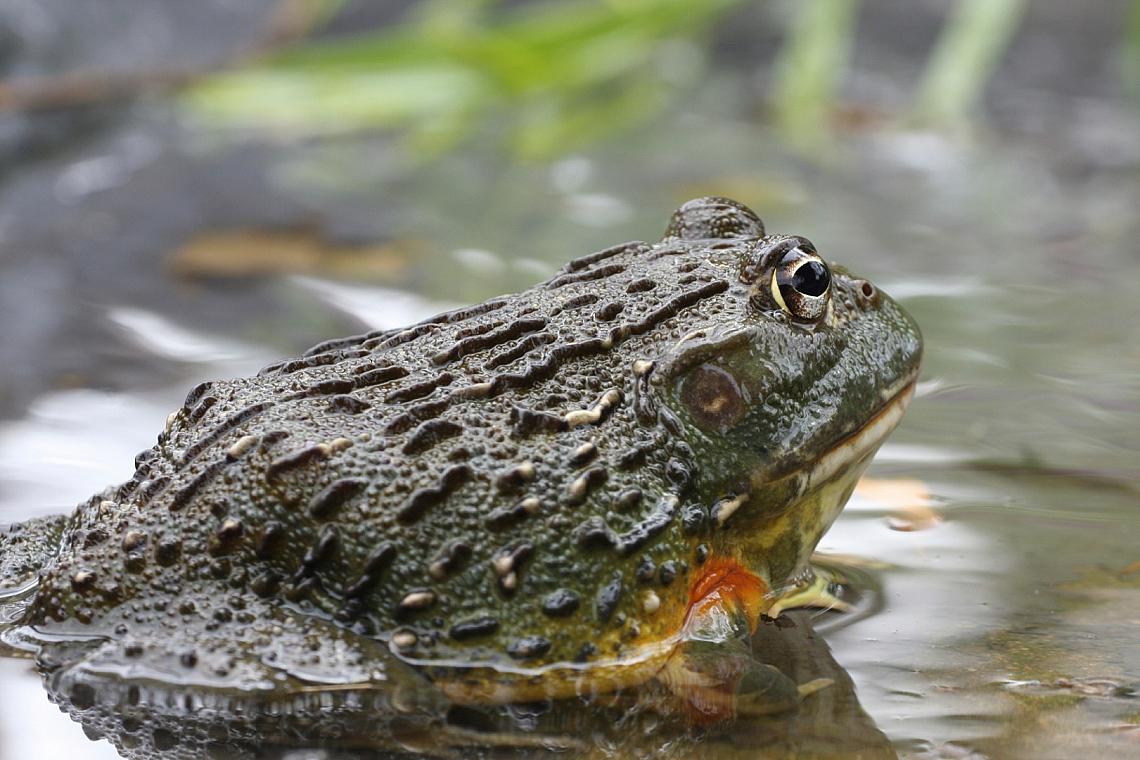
(785, 395)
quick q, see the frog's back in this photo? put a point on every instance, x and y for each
(491, 486)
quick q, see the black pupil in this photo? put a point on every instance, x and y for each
(811, 278)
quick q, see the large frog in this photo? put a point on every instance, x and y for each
(608, 479)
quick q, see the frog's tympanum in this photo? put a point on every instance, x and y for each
(604, 481)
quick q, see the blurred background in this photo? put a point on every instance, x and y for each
(192, 190)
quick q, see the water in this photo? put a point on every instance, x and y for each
(996, 543)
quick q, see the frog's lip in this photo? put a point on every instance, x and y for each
(849, 450)
(860, 444)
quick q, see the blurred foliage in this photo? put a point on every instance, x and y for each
(970, 48)
(811, 67)
(1131, 61)
(574, 71)
(553, 76)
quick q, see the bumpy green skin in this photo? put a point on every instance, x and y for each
(500, 485)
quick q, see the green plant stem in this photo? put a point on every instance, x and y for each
(964, 59)
(811, 66)
(1131, 58)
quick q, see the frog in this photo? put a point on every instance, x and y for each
(609, 480)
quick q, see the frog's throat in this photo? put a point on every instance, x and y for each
(777, 545)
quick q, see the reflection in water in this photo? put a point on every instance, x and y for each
(153, 723)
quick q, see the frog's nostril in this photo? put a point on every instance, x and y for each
(869, 294)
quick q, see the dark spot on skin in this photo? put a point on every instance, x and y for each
(335, 386)
(82, 696)
(473, 627)
(528, 648)
(333, 496)
(266, 584)
(609, 311)
(348, 405)
(593, 533)
(668, 572)
(94, 537)
(671, 423)
(429, 434)
(196, 393)
(164, 741)
(646, 569)
(319, 553)
(504, 517)
(606, 602)
(702, 553)
(167, 552)
(378, 560)
(527, 422)
(379, 376)
(449, 560)
(679, 473)
(270, 540)
(640, 286)
(628, 499)
(514, 478)
(294, 460)
(561, 603)
(423, 499)
(712, 398)
(693, 518)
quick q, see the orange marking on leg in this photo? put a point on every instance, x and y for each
(723, 580)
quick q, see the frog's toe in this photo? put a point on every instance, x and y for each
(822, 588)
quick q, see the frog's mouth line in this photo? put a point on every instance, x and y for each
(863, 442)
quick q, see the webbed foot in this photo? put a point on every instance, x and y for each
(820, 587)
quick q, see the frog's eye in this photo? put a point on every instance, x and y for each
(801, 283)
